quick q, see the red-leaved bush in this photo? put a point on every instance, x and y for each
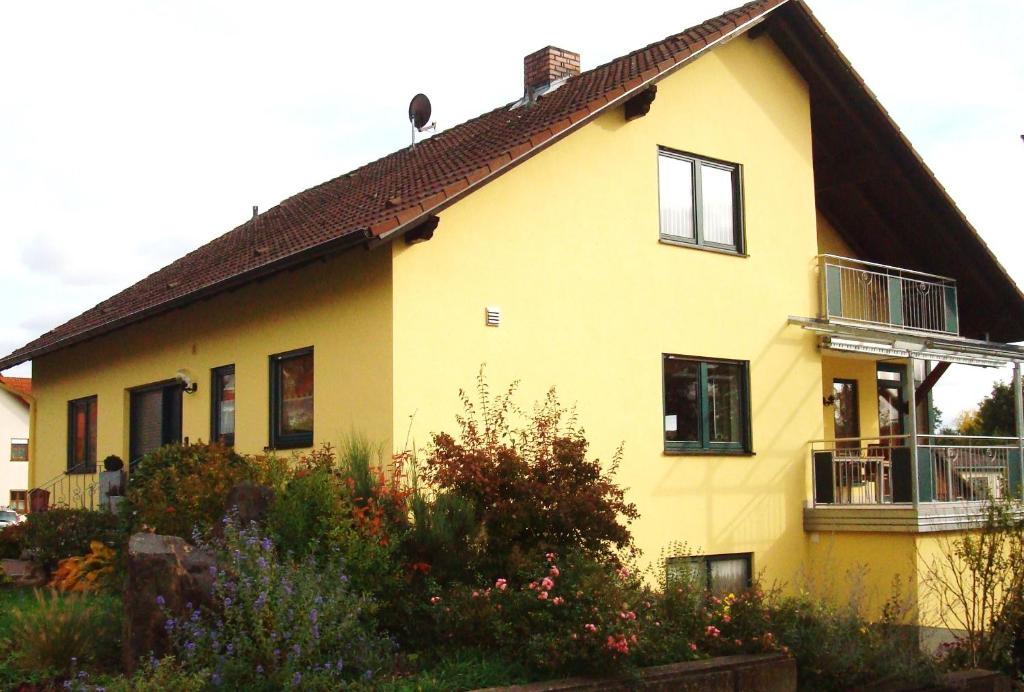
(532, 485)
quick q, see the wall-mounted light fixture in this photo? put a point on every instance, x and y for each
(828, 400)
(184, 378)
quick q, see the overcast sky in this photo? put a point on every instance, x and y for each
(133, 132)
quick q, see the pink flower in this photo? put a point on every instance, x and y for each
(550, 557)
(476, 594)
(632, 638)
(501, 585)
(713, 631)
(558, 600)
(554, 571)
(547, 583)
(693, 647)
(726, 619)
(738, 642)
(434, 600)
(542, 596)
(590, 627)
(533, 586)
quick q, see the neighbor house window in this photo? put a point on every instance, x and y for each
(222, 422)
(700, 201)
(82, 435)
(291, 399)
(19, 501)
(19, 449)
(717, 573)
(707, 406)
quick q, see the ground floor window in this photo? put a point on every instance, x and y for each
(222, 421)
(19, 449)
(706, 404)
(291, 399)
(721, 574)
(19, 501)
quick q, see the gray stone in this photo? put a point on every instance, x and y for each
(23, 572)
(169, 568)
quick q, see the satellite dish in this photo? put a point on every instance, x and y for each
(419, 111)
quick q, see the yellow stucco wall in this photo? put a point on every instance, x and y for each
(341, 307)
(863, 370)
(864, 570)
(567, 246)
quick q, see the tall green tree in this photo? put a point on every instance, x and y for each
(995, 414)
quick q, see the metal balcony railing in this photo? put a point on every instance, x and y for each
(877, 471)
(871, 293)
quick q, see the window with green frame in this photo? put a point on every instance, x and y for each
(700, 201)
(707, 405)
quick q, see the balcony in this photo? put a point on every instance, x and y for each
(867, 293)
(867, 484)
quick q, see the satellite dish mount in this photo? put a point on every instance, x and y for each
(419, 116)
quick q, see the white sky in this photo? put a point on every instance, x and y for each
(133, 132)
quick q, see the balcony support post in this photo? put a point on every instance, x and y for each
(1018, 409)
(909, 393)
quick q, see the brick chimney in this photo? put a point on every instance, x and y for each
(548, 65)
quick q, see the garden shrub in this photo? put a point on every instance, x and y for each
(61, 632)
(180, 487)
(531, 483)
(54, 535)
(12, 541)
(310, 506)
(836, 648)
(278, 624)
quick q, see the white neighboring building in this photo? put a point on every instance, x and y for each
(15, 404)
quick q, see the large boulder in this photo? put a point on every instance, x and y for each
(248, 502)
(164, 574)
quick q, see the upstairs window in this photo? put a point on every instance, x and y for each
(82, 435)
(291, 399)
(19, 449)
(222, 418)
(700, 201)
(707, 405)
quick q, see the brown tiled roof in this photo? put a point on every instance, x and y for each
(389, 195)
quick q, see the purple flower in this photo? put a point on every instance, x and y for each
(262, 563)
(341, 663)
(160, 601)
(227, 602)
(297, 649)
(267, 545)
(230, 648)
(169, 625)
(297, 679)
(215, 678)
(313, 615)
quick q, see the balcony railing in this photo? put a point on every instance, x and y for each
(878, 471)
(870, 293)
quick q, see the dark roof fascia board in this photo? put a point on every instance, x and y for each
(289, 262)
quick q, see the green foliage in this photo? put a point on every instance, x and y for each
(52, 536)
(466, 669)
(837, 649)
(533, 488)
(977, 581)
(180, 487)
(59, 633)
(444, 534)
(278, 624)
(310, 507)
(12, 541)
(995, 415)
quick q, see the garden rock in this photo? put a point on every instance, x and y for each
(250, 502)
(161, 569)
(23, 572)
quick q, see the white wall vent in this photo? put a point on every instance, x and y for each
(493, 316)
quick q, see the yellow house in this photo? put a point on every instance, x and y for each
(719, 246)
